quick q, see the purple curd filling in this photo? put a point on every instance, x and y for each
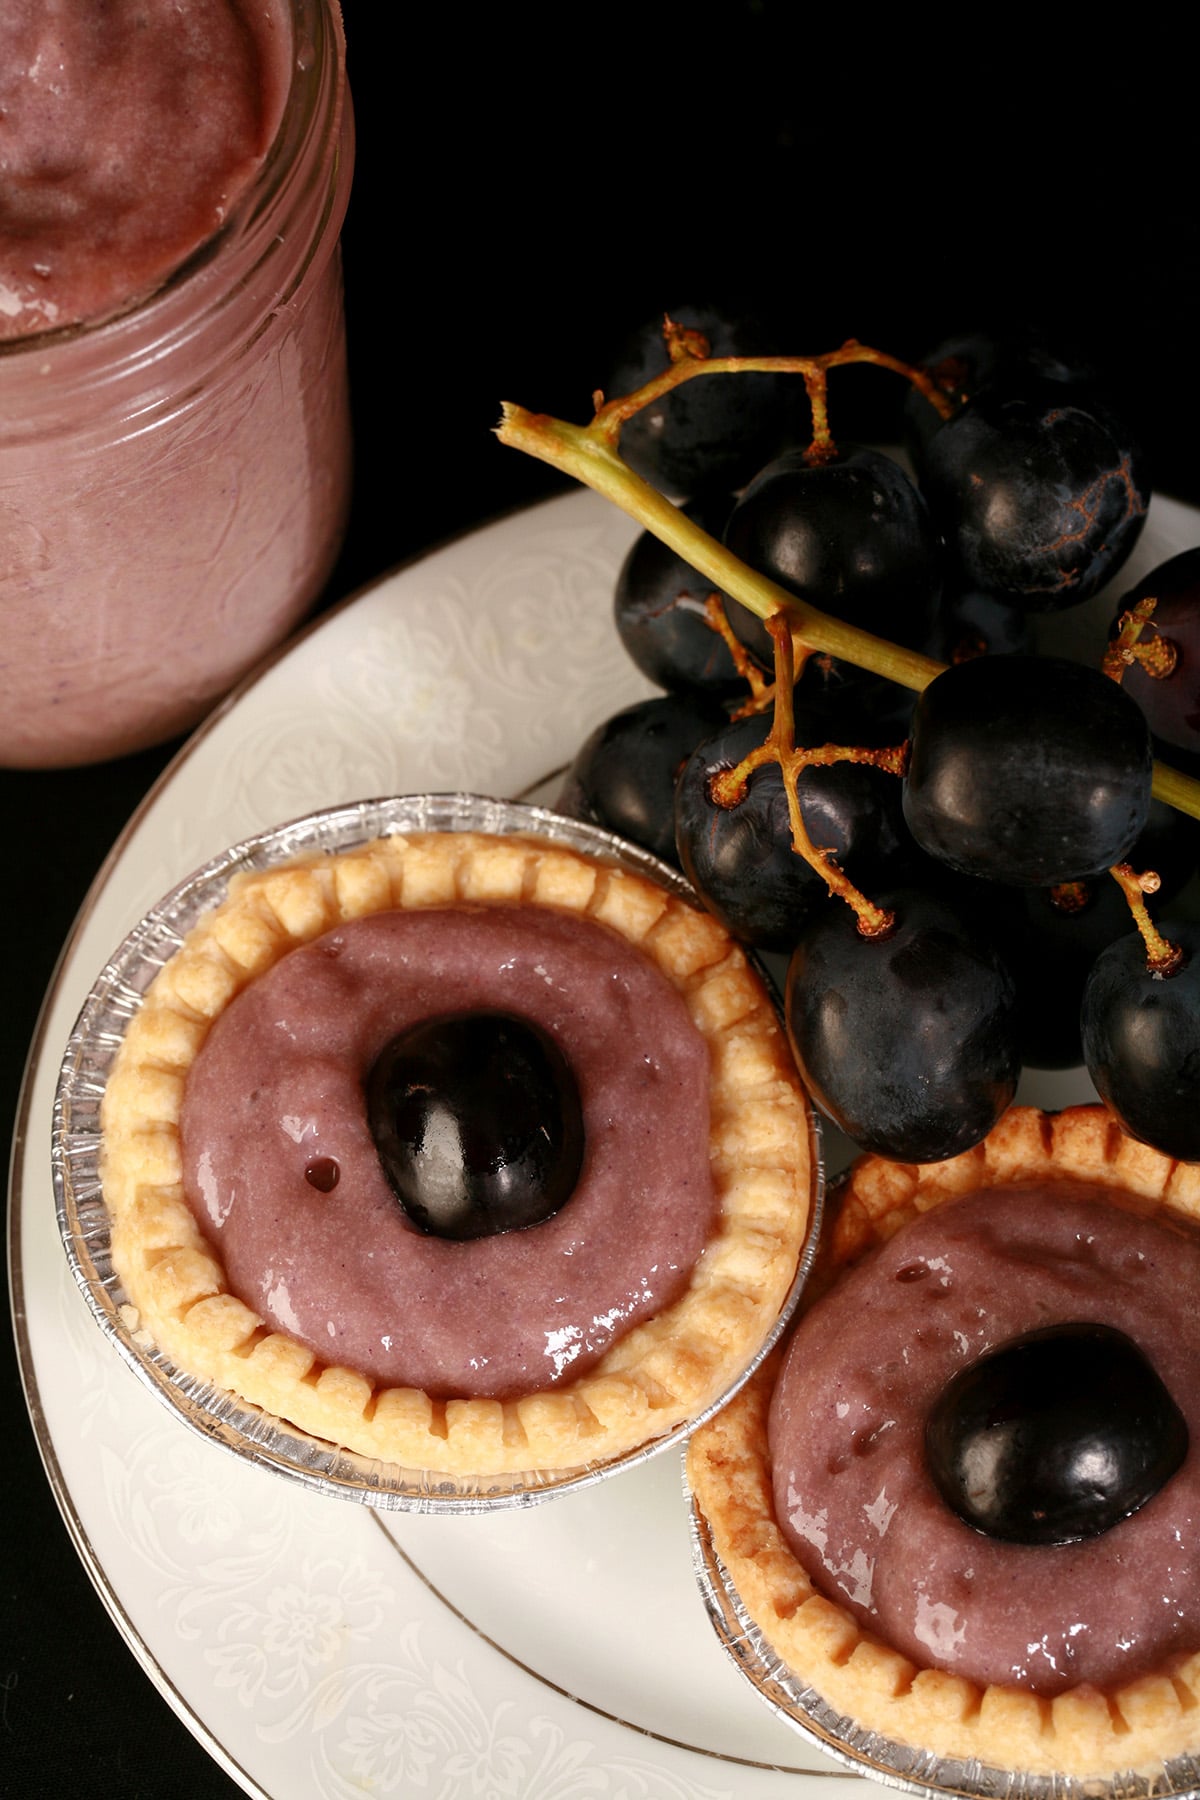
(852, 1490)
(283, 1175)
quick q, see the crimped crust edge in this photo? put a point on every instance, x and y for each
(669, 1369)
(1085, 1732)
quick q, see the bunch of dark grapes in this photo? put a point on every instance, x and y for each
(938, 870)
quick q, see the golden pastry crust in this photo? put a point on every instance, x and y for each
(665, 1371)
(1084, 1732)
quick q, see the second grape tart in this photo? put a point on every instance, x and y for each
(842, 1685)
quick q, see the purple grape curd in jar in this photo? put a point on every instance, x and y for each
(174, 428)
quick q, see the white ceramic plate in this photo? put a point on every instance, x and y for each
(317, 1648)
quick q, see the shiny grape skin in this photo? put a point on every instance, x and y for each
(740, 859)
(1055, 1436)
(624, 774)
(1027, 770)
(1040, 494)
(908, 1042)
(714, 430)
(852, 536)
(1141, 1041)
(659, 605)
(477, 1120)
(1171, 703)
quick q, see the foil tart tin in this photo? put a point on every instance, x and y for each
(224, 1418)
(868, 1753)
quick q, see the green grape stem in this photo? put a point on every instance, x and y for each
(579, 451)
(589, 455)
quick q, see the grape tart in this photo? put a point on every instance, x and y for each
(668, 1367)
(853, 1689)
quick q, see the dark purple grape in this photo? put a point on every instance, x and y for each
(851, 536)
(623, 776)
(1054, 1437)
(974, 624)
(1050, 950)
(966, 626)
(740, 859)
(966, 365)
(1141, 1041)
(883, 708)
(1171, 703)
(659, 610)
(714, 430)
(1027, 770)
(907, 1042)
(477, 1120)
(1040, 491)
(1051, 937)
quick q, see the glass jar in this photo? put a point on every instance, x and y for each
(174, 480)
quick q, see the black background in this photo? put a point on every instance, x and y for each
(529, 183)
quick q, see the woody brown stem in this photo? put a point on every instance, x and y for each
(728, 786)
(1162, 957)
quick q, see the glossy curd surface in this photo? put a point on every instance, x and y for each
(852, 1490)
(277, 1088)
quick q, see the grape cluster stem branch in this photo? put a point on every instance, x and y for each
(589, 456)
(728, 787)
(1162, 957)
(689, 357)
